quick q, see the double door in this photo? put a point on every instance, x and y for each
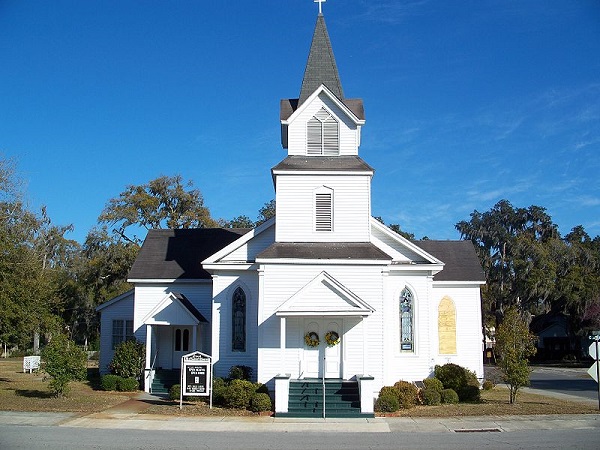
(323, 360)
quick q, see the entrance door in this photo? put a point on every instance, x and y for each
(182, 344)
(323, 359)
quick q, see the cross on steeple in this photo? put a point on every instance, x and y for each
(320, 2)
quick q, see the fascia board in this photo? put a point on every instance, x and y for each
(433, 268)
(116, 299)
(333, 98)
(322, 313)
(322, 172)
(402, 240)
(149, 318)
(230, 266)
(458, 283)
(239, 242)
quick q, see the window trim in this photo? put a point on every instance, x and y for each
(125, 332)
(406, 345)
(323, 210)
(322, 134)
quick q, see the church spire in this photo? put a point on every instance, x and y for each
(320, 67)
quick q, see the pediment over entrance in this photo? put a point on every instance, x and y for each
(174, 309)
(324, 296)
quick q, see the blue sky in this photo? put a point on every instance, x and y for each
(467, 102)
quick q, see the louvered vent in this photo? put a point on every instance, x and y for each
(323, 212)
(322, 135)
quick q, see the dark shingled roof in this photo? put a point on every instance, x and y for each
(461, 262)
(177, 254)
(320, 67)
(323, 250)
(288, 106)
(324, 163)
(191, 308)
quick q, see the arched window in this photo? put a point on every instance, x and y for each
(238, 321)
(406, 320)
(322, 135)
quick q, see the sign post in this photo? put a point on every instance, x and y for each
(196, 376)
(594, 371)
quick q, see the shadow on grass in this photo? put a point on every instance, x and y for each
(33, 393)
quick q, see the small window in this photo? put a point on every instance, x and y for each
(322, 135)
(238, 321)
(406, 321)
(122, 330)
(324, 211)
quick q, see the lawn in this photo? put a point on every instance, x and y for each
(29, 392)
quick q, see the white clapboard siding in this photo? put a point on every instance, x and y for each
(224, 286)
(120, 310)
(299, 129)
(469, 337)
(295, 203)
(282, 281)
(249, 250)
(393, 247)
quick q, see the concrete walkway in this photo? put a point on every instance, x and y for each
(127, 416)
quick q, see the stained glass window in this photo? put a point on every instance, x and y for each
(406, 320)
(238, 319)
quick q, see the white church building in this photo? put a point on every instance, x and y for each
(322, 293)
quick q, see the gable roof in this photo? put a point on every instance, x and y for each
(320, 67)
(460, 260)
(333, 299)
(288, 106)
(117, 299)
(177, 254)
(174, 309)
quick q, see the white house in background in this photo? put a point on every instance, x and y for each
(322, 265)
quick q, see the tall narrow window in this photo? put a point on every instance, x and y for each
(324, 210)
(238, 319)
(406, 320)
(322, 135)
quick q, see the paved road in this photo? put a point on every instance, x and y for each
(14, 437)
(565, 381)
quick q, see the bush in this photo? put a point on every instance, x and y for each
(431, 397)
(260, 402)
(449, 396)
(262, 388)
(433, 383)
(127, 384)
(129, 360)
(64, 362)
(488, 385)
(408, 394)
(240, 373)
(461, 380)
(218, 393)
(109, 382)
(387, 403)
(175, 392)
(238, 394)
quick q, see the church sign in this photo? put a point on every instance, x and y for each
(196, 376)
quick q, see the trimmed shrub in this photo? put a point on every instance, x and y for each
(238, 394)
(431, 397)
(387, 403)
(219, 386)
(260, 402)
(433, 383)
(127, 384)
(449, 396)
(175, 392)
(408, 394)
(129, 360)
(461, 380)
(109, 382)
(240, 373)
(488, 385)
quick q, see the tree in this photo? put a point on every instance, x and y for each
(165, 202)
(266, 212)
(239, 222)
(64, 362)
(514, 345)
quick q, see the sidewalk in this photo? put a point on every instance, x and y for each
(127, 416)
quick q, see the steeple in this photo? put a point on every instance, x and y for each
(320, 67)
